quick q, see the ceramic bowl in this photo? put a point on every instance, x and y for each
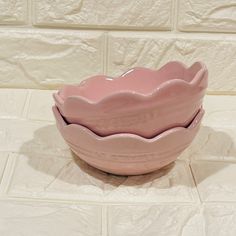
(127, 154)
(141, 101)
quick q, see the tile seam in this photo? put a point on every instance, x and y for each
(8, 174)
(26, 107)
(195, 182)
(104, 220)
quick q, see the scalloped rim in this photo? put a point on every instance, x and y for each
(135, 95)
(195, 123)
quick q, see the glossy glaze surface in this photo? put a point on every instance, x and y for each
(141, 101)
(127, 154)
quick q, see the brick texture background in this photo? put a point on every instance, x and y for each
(44, 43)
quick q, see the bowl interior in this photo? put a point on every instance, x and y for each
(137, 80)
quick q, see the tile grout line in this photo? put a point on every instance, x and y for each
(100, 203)
(160, 33)
(195, 182)
(106, 204)
(221, 93)
(8, 173)
(212, 160)
(26, 107)
(90, 27)
(194, 191)
(6, 155)
(104, 220)
(105, 53)
(29, 12)
(175, 16)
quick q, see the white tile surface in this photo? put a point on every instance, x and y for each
(161, 220)
(206, 220)
(152, 50)
(53, 177)
(220, 219)
(13, 12)
(40, 59)
(40, 107)
(31, 136)
(213, 143)
(44, 219)
(109, 14)
(216, 139)
(12, 102)
(211, 15)
(34, 58)
(220, 111)
(216, 181)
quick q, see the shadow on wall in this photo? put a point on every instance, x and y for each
(48, 146)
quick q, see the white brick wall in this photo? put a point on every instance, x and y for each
(45, 43)
(13, 12)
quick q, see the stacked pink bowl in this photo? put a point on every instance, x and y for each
(135, 123)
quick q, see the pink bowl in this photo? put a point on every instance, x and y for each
(127, 154)
(141, 101)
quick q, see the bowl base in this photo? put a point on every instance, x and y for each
(131, 171)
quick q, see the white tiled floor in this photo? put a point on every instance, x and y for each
(154, 220)
(215, 180)
(34, 218)
(45, 190)
(12, 102)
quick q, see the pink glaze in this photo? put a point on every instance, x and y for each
(141, 101)
(127, 154)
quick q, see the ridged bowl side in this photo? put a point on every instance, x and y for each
(127, 154)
